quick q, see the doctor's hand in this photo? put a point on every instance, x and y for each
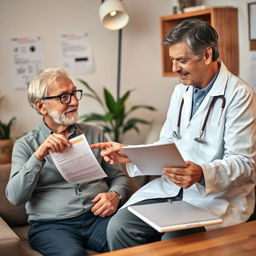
(54, 143)
(112, 152)
(184, 177)
(105, 204)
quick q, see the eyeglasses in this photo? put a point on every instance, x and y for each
(65, 98)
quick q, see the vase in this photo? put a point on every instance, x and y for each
(6, 151)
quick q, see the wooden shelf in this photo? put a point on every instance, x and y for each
(223, 19)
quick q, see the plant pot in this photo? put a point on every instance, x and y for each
(6, 151)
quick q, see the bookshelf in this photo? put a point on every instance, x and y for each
(223, 19)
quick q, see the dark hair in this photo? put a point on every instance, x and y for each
(198, 34)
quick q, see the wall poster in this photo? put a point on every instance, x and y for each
(27, 59)
(76, 53)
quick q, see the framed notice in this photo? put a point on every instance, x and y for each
(252, 20)
(252, 25)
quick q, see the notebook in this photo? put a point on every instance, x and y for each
(172, 216)
(152, 158)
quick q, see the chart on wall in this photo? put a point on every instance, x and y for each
(76, 53)
(27, 59)
(252, 68)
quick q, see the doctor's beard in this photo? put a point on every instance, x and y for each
(61, 118)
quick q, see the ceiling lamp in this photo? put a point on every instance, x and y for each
(113, 14)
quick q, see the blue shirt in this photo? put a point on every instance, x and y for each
(199, 95)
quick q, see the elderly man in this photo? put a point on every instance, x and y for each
(212, 120)
(64, 218)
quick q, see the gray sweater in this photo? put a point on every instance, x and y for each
(39, 184)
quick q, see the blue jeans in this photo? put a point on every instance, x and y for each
(69, 237)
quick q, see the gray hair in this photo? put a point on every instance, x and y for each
(38, 86)
(198, 34)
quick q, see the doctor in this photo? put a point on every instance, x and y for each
(211, 119)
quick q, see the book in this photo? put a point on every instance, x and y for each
(177, 215)
(152, 158)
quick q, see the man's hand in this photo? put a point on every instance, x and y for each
(105, 204)
(54, 143)
(184, 177)
(112, 152)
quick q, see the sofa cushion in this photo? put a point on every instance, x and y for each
(9, 241)
(26, 250)
(21, 232)
(13, 215)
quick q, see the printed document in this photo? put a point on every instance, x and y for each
(78, 163)
(152, 158)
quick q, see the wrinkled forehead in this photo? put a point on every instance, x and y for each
(59, 85)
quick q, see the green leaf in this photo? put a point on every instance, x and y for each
(94, 94)
(106, 129)
(143, 106)
(87, 86)
(140, 107)
(5, 129)
(124, 98)
(109, 100)
(109, 117)
(90, 96)
(133, 127)
(112, 121)
(136, 129)
(131, 123)
(92, 117)
(120, 106)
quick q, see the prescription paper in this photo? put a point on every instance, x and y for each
(78, 163)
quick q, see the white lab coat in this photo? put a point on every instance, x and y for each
(227, 158)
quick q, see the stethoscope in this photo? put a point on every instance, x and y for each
(200, 138)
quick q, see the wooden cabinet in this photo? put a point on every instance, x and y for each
(223, 19)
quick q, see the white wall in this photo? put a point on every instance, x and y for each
(141, 55)
(244, 46)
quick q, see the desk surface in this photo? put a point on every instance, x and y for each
(237, 240)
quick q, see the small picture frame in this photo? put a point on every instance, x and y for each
(252, 20)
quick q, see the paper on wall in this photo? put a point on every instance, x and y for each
(27, 59)
(76, 53)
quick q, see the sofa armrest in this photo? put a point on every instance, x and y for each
(9, 241)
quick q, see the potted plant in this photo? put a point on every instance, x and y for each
(6, 143)
(115, 120)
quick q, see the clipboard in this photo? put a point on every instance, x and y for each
(177, 215)
(152, 158)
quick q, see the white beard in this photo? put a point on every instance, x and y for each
(61, 118)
